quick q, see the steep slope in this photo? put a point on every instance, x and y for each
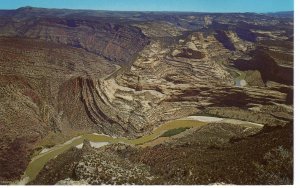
(31, 79)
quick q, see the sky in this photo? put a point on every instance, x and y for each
(158, 5)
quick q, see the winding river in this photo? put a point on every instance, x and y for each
(38, 162)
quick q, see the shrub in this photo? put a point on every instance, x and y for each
(277, 167)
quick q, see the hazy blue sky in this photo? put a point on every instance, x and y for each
(158, 5)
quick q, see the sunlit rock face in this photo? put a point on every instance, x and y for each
(69, 72)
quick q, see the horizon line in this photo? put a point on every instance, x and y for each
(180, 11)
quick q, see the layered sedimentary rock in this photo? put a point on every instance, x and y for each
(117, 42)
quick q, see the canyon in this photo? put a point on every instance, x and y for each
(67, 73)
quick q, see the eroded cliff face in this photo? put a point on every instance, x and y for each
(65, 73)
(117, 42)
(161, 85)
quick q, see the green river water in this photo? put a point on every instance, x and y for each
(38, 162)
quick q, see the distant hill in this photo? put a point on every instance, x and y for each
(286, 14)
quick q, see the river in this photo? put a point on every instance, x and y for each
(37, 163)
